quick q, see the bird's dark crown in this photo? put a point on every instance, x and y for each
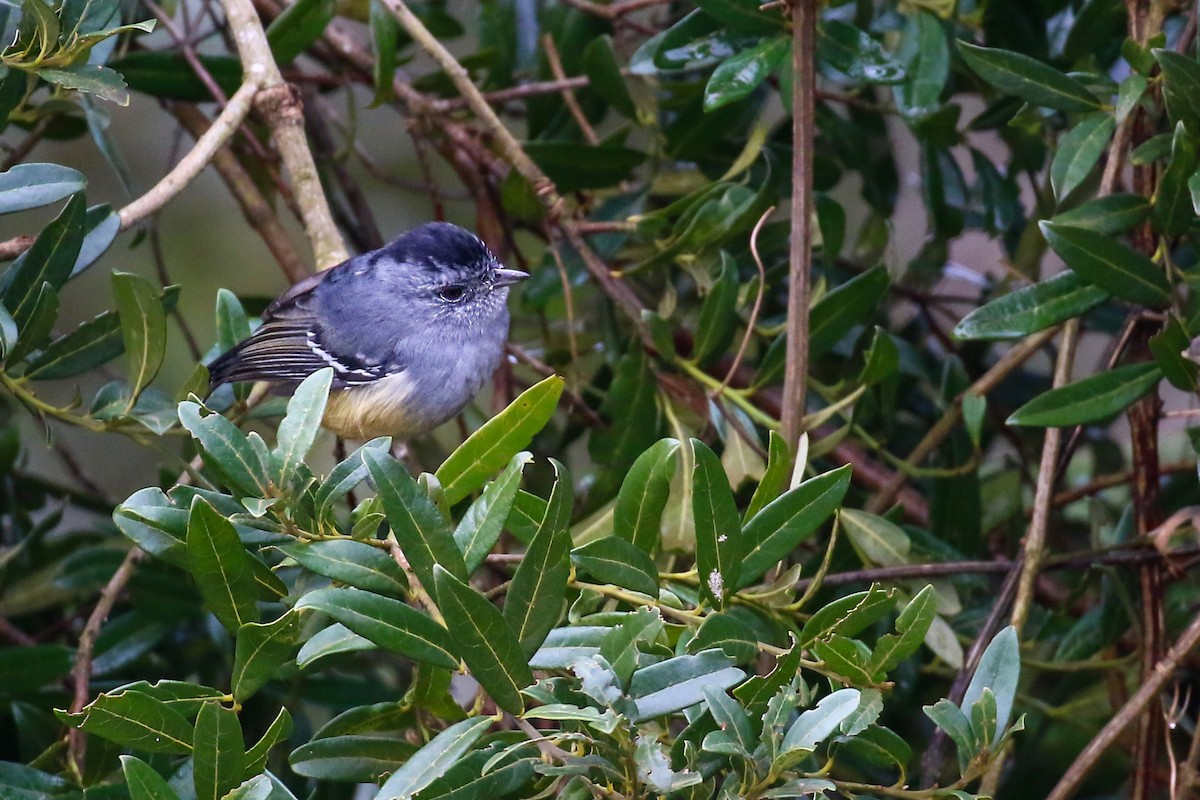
(439, 247)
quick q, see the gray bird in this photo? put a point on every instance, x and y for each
(412, 331)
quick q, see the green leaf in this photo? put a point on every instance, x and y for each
(1168, 346)
(619, 647)
(218, 752)
(1029, 79)
(784, 523)
(847, 615)
(418, 526)
(37, 323)
(260, 651)
(604, 76)
(719, 537)
(718, 313)
(143, 782)
(1091, 399)
(331, 641)
(226, 450)
(487, 643)
(774, 480)
(184, 697)
(679, 682)
(360, 759)
(48, 261)
(817, 724)
(34, 185)
(613, 560)
(951, 719)
(853, 51)
(385, 37)
(727, 633)
(574, 167)
(1079, 151)
(1031, 308)
(850, 304)
(1181, 87)
(1110, 265)
(221, 566)
(878, 540)
(731, 719)
(357, 564)
(534, 601)
(1173, 211)
(631, 408)
(299, 427)
(927, 66)
(278, 731)
(389, 623)
(168, 74)
(143, 328)
(431, 761)
(738, 76)
(135, 720)
(481, 525)
(8, 332)
(743, 16)
(911, 627)
(104, 82)
(1112, 214)
(346, 475)
(759, 689)
(999, 670)
(300, 24)
(488, 449)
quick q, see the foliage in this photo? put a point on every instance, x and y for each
(629, 583)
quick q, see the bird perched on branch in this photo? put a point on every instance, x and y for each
(412, 331)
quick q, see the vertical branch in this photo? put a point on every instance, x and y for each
(795, 377)
(280, 107)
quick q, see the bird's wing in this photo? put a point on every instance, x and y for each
(291, 345)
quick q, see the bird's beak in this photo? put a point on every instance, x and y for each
(507, 277)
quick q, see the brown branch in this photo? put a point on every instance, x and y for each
(795, 377)
(568, 96)
(520, 92)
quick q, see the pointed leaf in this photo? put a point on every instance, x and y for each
(1112, 266)
(481, 525)
(227, 450)
(431, 761)
(221, 566)
(679, 682)
(1173, 211)
(260, 651)
(1029, 79)
(487, 643)
(1091, 399)
(218, 752)
(299, 427)
(613, 560)
(1112, 214)
(48, 260)
(643, 496)
(739, 75)
(1031, 308)
(357, 564)
(143, 328)
(1181, 87)
(999, 670)
(143, 782)
(534, 601)
(416, 522)
(499, 439)
(389, 623)
(836, 314)
(278, 731)
(911, 627)
(33, 185)
(817, 724)
(135, 720)
(719, 537)
(1079, 151)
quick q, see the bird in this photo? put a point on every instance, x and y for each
(412, 331)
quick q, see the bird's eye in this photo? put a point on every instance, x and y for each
(452, 294)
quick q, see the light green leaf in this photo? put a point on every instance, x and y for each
(1091, 399)
(1079, 151)
(817, 724)
(643, 496)
(299, 427)
(227, 450)
(878, 541)
(135, 720)
(911, 626)
(483, 522)
(1031, 308)
(499, 439)
(679, 682)
(356, 758)
(143, 328)
(1112, 214)
(999, 670)
(33, 185)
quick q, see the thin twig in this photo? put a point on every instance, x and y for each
(568, 96)
(754, 310)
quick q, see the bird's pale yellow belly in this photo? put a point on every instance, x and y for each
(377, 409)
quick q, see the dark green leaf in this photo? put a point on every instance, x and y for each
(221, 566)
(534, 601)
(360, 759)
(278, 731)
(613, 560)
(1112, 266)
(727, 633)
(101, 224)
(385, 37)
(135, 720)
(483, 522)
(604, 76)
(927, 57)
(1031, 308)
(738, 76)
(951, 719)
(850, 304)
(1181, 87)
(1173, 211)
(774, 480)
(260, 651)
(48, 260)
(619, 647)
(718, 313)
(1091, 399)
(346, 475)
(784, 523)
(1034, 82)
(33, 185)
(490, 448)
(852, 50)
(1079, 151)
(8, 332)
(720, 541)
(300, 24)
(911, 627)
(168, 75)
(143, 328)
(743, 16)
(227, 450)
(1168, 346)
(218, 752)
(848, 615)
(356, 564)
(332, 641)
(389, 623)
(37, 322)
(574, 167)
(299, 427)
(632, 409)
(486, 642)
(104, 82)
(416, 522)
